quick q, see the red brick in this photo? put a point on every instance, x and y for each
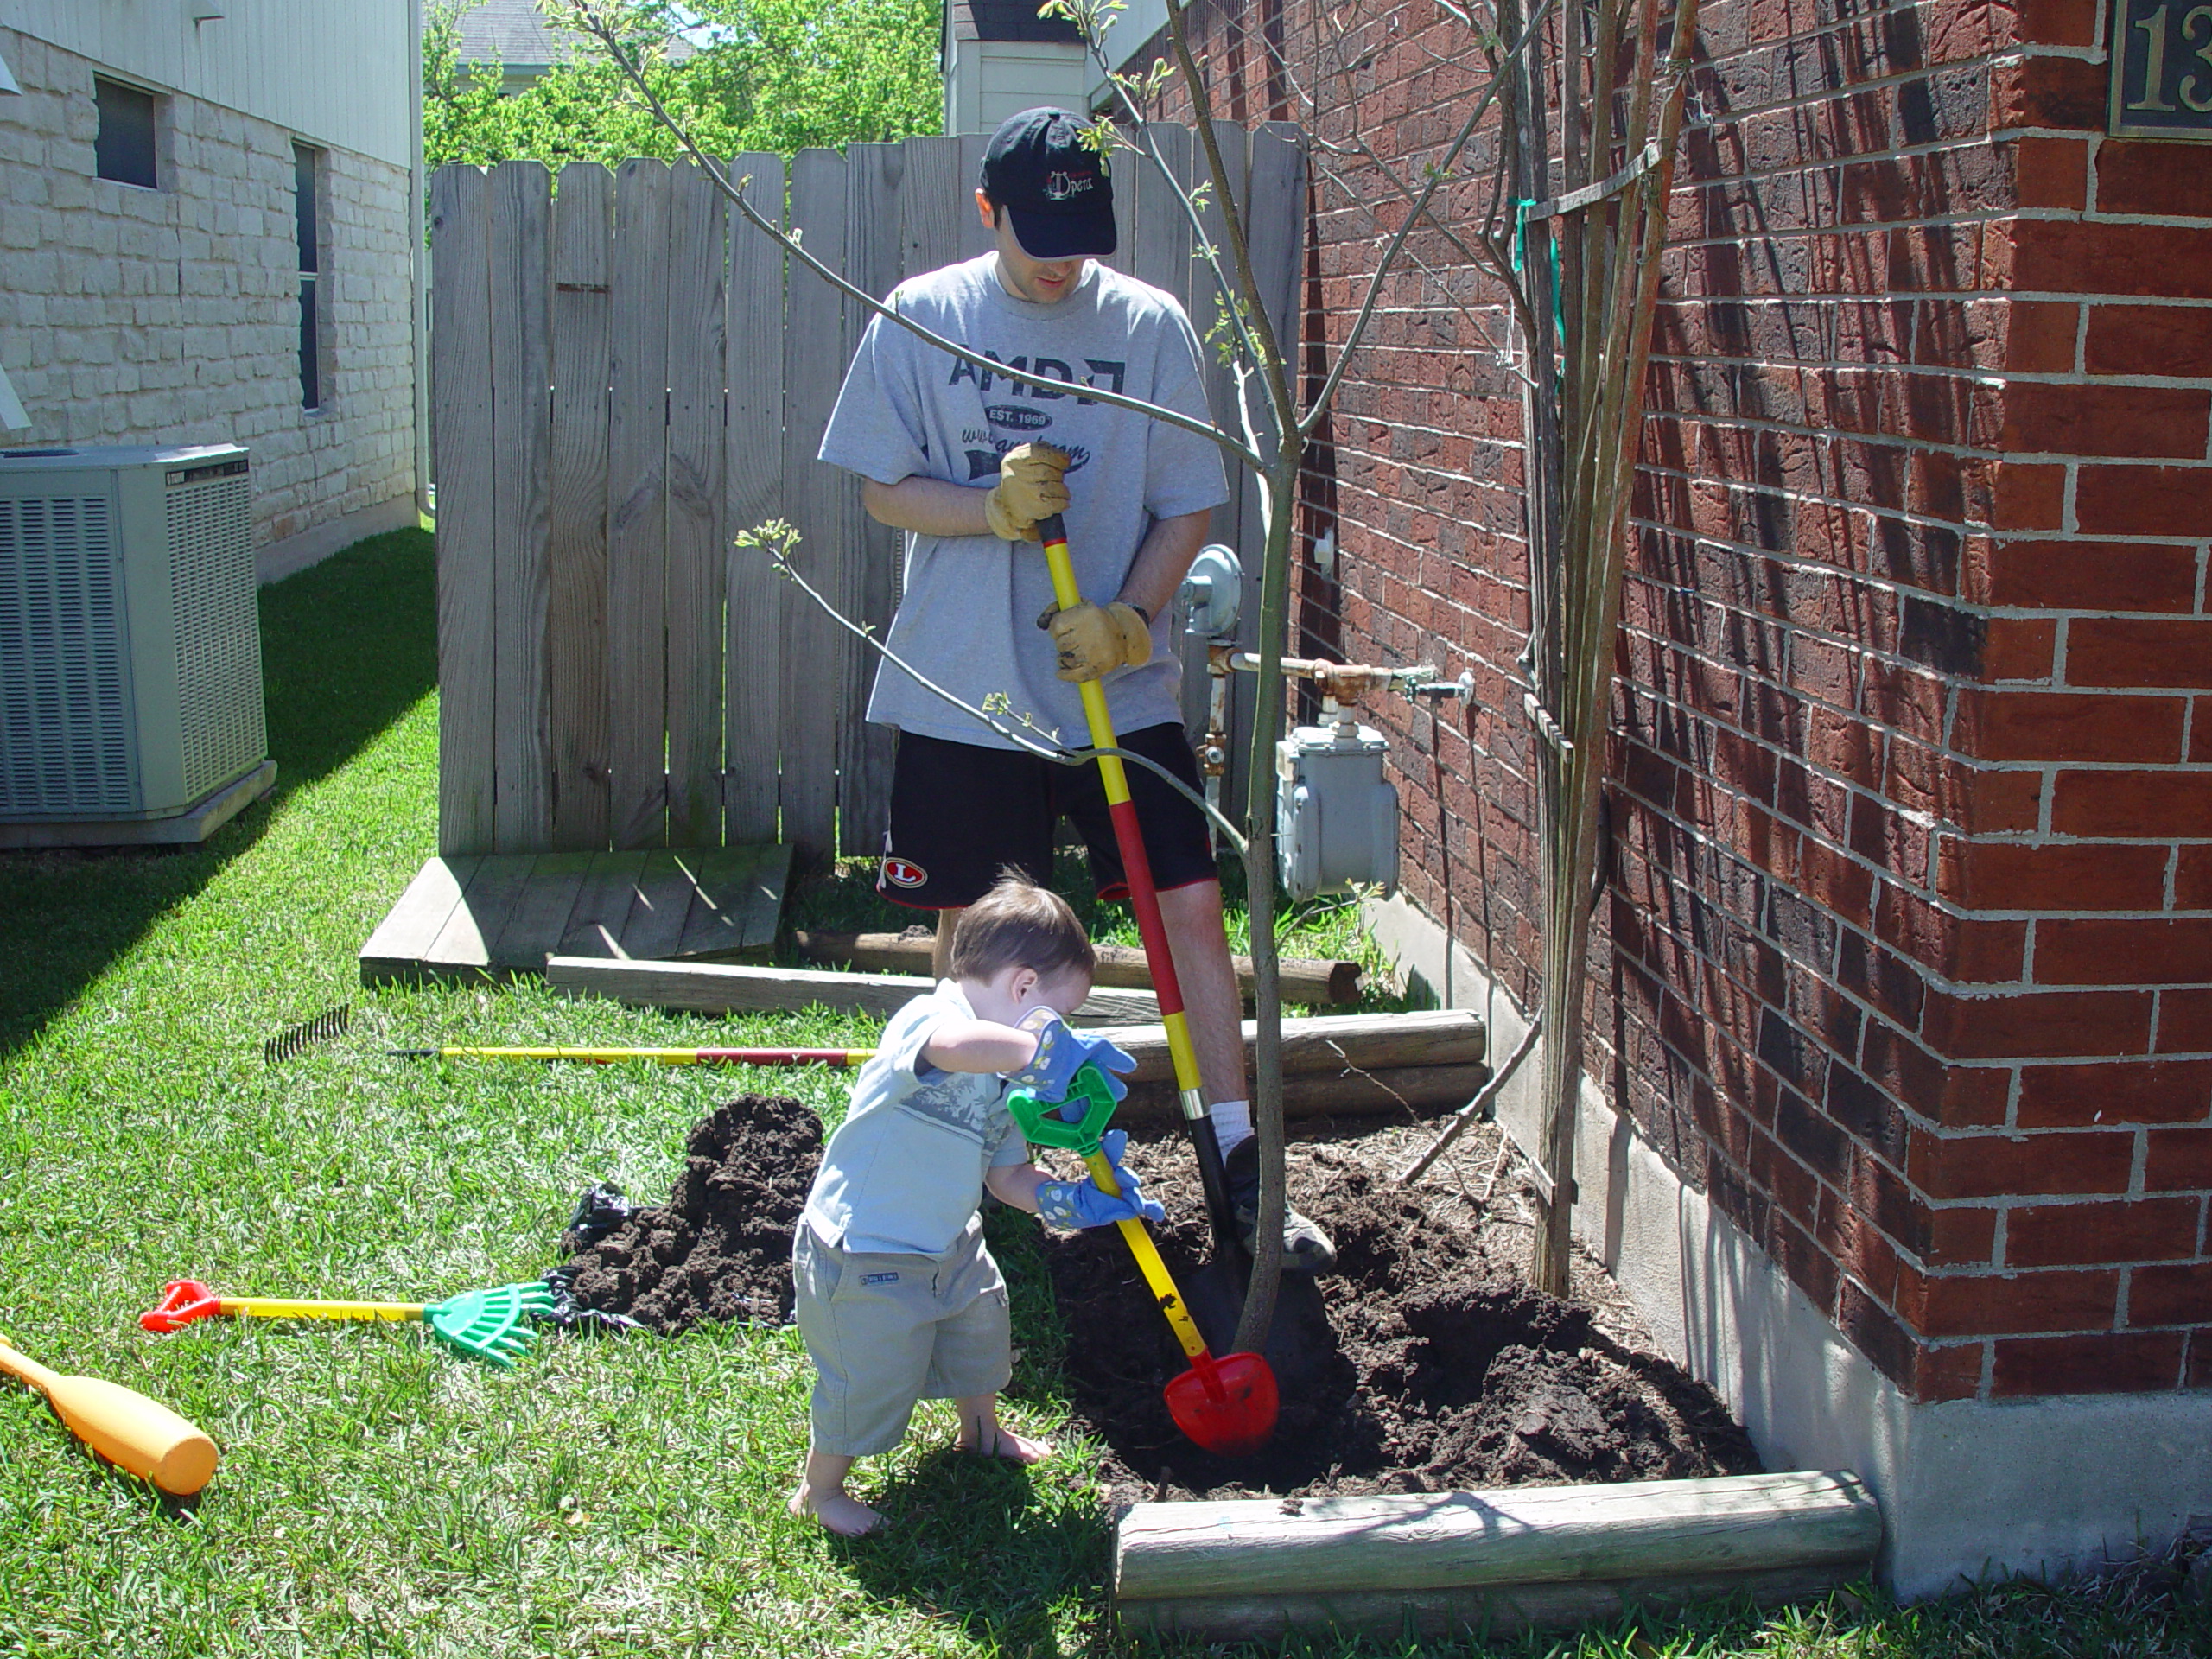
(2039, 336)
(2139, 650)
(2115, 1092)
(2193, 877)
(2164, 339)
(2052, 172)
(2018, 648)
(2141, 951)
(2176, 1294)
(2141, 500)
(2059, 23)
(1988, 800)
(1992, 1305)
(2033, 1025)
(1993, 1166)
(2200, 1361)
(2141, 178)
(1960, 1236)
(1968, 948)
(2136, 805)
(2061, 726)
(2178, 1160)
(2091, 575)
(2060, 256)
(2092, 1235)
(2047, 418)
(2030, 497)
(2062, 875)
(2131, 1363)
(2185, 1022)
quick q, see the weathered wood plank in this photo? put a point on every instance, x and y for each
(933, 195)
(637, 498)
(402, 940)
(1491, 1612)
(716, 988)
(1405, 1092)
(462, 948)
(1160, 254)
(1304, 979)
(874, 176)
(535, 926)
(655, 926)
(698, 559)
(1332, 1042)
(973, 237)
(821, 501)
(460, 383)
(1209, 304)
(522, 458)
(1508, 1536)
(714, 926)
(576, 535)
(753, 657)
(601, 909)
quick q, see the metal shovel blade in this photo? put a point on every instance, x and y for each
(1226, 1405)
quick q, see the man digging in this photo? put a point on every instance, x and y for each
(967, 462)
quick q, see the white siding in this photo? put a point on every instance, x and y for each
(992, 79)
(336, 71)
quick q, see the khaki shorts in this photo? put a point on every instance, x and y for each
(886, 1331)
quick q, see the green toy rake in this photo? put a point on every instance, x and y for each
(487, 1323)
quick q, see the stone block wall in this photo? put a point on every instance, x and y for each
(1906, 956)
(171, 315)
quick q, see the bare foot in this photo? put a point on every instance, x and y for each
(837, 1510)
(997, 1441)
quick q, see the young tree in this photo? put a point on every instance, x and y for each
(1576, 89)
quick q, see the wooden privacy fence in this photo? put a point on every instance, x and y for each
(625, 374)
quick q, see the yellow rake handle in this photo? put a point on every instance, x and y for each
(288, 1307)
(1148, 1262)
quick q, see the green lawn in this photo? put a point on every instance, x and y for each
(379, 1496)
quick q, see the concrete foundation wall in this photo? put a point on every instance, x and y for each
(1968, 1488)
(171, 315)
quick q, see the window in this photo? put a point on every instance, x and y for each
(304, 160)
(124, 150)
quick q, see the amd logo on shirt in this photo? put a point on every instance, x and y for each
(1109, 371)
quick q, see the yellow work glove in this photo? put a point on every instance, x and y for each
(1093, 640)
(1029, 488)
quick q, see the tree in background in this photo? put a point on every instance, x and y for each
(762, 74)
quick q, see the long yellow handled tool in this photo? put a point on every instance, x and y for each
(836, 1057)
(1144, 898)
(488, 1323)
(122, 1425)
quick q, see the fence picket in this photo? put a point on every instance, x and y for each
(753, 653)
(821, 501)
(461, 371)
(697, 565)
(575, 646)
(637, 497)
(1208, 307)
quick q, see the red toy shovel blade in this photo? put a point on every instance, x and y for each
(1227, 1405)
(182, 1301)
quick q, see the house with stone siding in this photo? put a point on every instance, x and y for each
(207, 234)
(1897, 1115)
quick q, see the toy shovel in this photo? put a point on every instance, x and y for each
(1226, 1405)
(488, 1323)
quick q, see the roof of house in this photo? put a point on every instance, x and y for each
(513, 31)
(1008, 19)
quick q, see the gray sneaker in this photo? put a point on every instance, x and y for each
(1305, 1248)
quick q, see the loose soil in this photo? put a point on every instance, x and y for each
(1437, 1367)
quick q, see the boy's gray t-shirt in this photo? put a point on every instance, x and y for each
(968, 619)
(904, 1173)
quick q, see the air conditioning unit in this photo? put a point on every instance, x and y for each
(130, 637)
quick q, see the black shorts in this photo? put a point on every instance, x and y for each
(961, 813)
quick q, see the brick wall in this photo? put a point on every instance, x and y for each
(171, 316)
(1906, 958)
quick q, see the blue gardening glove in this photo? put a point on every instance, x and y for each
(1061, 1053)
(1081, 1204)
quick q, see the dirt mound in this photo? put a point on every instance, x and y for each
(1427, 1363)
(720, 1246)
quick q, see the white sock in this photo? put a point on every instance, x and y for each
(1232, 1123)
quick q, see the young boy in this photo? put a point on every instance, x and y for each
(898, 1297)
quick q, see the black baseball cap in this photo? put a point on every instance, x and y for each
(1053, 186)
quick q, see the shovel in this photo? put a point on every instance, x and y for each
(1226, 1405)
(1300, 1341)
(486, 1323)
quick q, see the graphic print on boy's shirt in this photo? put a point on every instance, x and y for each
(1024, 421)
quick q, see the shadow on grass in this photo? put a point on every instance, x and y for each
(973, 1541)
(347, 647)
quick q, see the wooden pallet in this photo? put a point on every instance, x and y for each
(494, 917)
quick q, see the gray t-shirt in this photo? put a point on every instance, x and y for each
(904, 1173)
(969, 616)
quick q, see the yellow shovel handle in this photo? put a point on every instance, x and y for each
(287, 1307)
(1148, 1262)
